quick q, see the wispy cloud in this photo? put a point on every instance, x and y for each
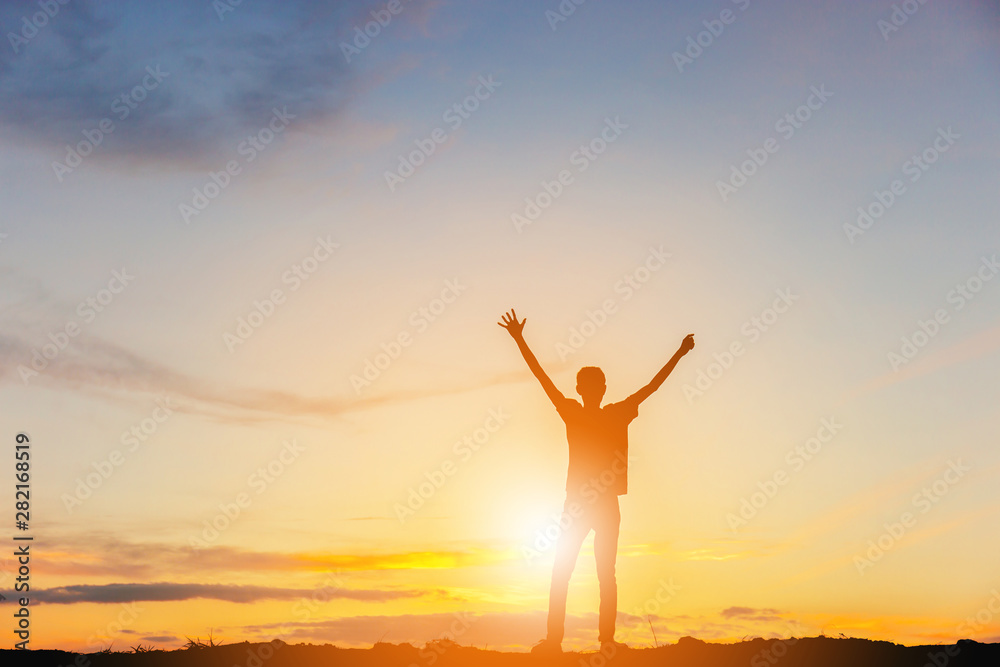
(975, 346)
(98, 556)
(751, 614)
(95, 366)
(161, 639)
(172, 592)
(517, 630)
(417, 560)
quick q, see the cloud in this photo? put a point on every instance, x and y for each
(975, 346)
(416, 560)
(223, 73)
(751, 614)
(97, 556)
(95, 366)
(173, 592)
(101, 556)
(501, 631)
(161, 639)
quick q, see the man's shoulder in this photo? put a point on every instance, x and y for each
(569, 409)
(628, 406)
(567, 403)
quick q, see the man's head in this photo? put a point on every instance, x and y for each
(590, 384)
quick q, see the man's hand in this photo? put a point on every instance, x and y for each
(687, 344)
(513, 327)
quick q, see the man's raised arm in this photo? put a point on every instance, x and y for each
(658, 379)
(515, 329)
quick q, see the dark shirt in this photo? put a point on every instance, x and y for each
(598, 444)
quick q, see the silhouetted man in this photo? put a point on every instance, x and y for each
(597, 475)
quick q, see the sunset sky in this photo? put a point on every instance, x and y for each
(252, 261)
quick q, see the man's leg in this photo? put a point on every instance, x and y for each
(567, 549)
(606, 553)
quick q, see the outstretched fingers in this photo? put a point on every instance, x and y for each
(510, 322)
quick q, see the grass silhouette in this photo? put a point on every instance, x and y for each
(687, 652)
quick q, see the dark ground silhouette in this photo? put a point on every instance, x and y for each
(688, 652)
